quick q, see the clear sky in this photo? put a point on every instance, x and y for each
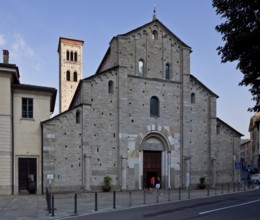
(30, 30)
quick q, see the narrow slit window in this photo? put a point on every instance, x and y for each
(154, 107)
(193, 98)
(75, 56)
(110, 87)
(71, 56)
(141, 67)
(154, 35)
(78, 117)
(68, 75)
(75, 76)
(167, 71)
(68, 55)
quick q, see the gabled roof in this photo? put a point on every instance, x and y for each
(137, 29)
(161, 24)
(205, 87)
(224, 123)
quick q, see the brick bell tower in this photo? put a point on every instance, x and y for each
(70, 70)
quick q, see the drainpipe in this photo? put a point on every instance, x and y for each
(42, 158)
(12, 124)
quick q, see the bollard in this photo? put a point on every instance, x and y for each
(96, 208)
(114, 199)
(49, 202)
(228, 187)
(157, 196)
(180, 193)
(169, 194)
(244, 185)
(75, 204)
(207, 189)
(222, 186)
(52, 205)
(234, 187)
(130, 199)
(189, 192)
(144, 197)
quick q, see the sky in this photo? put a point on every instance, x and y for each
(30, 30)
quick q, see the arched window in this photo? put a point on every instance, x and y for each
(75, 56)
(78, 117)
(75, 76)
(154, 35)
(68, 55)
(167, 71)
(68, 75)
(111, 87)
(141, 67)
(192, 98)
(154, 107)
(71, 56)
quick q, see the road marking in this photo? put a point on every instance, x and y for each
(228, 207)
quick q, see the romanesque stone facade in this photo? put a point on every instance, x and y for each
(141, 114)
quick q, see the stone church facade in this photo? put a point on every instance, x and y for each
(142, 114)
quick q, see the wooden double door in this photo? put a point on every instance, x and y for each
(152, 162)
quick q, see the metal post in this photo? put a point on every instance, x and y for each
(207, 189)
(114, 199)
(144, 197)
(228, 187)
(130, 199)
(49, 202)
(169, 194)
(96, 207)
(157, 197)
(234, 187)
(75, 204)
(52, 205)
(222, 188)
(189, 192)
(180, 193)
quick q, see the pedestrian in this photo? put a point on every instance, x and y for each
(158, 183)
(152, 182)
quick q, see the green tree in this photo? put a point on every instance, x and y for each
(240, 31)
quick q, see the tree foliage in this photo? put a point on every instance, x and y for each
(240, 31)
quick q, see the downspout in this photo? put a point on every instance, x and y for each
(181, 120)
(42, 158)
(12, 123)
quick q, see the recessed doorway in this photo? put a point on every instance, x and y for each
(151, 166)
(27, 175)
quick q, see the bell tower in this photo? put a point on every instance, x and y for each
(70, 69)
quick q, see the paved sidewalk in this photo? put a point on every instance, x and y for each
(29, 207)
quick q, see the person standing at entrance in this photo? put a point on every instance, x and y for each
(158, 183)
(152, 182)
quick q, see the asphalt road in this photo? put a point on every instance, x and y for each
(241, 206)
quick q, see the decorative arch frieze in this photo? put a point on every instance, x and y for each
(162, 133)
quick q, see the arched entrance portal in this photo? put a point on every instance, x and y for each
(152, 166)
(155, 161)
